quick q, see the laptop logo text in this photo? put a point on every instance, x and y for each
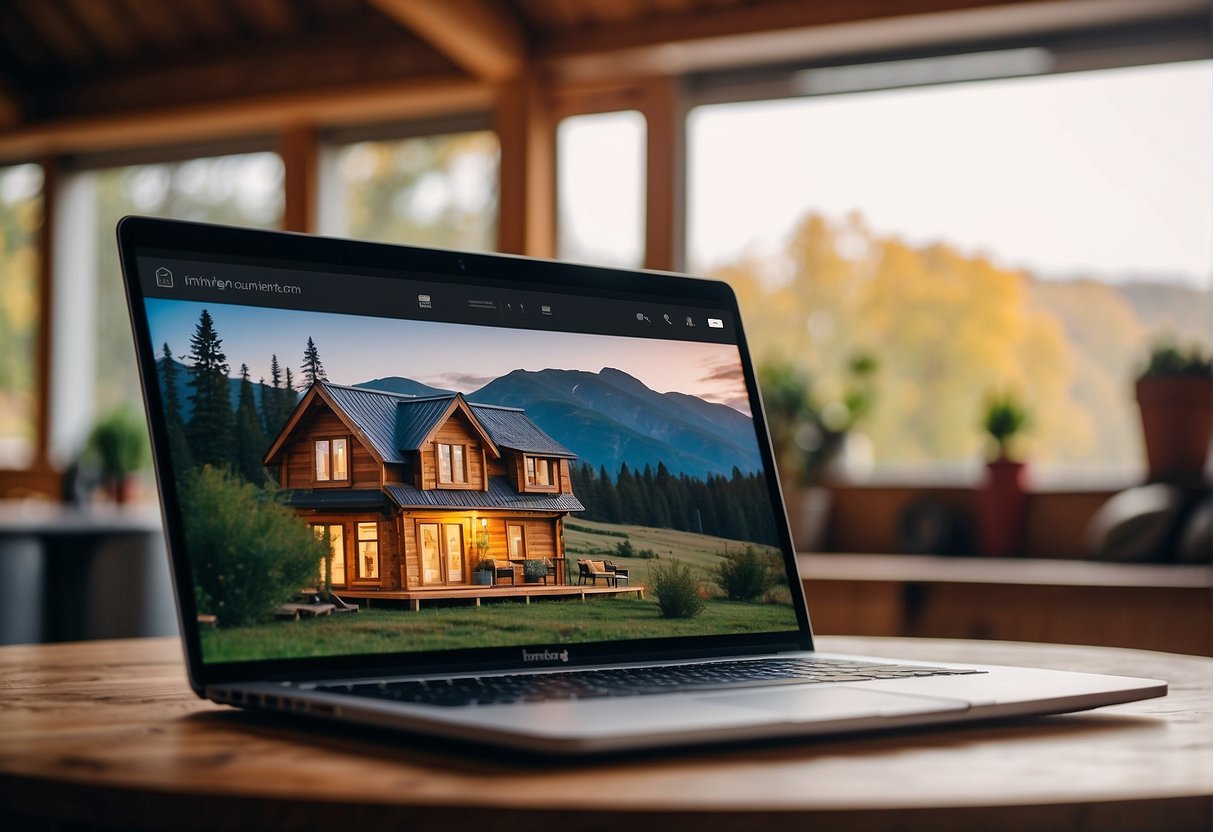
(545, 656)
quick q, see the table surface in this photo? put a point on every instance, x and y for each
(108, 733)
(1002, 571)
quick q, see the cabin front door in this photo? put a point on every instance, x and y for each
(442, 557)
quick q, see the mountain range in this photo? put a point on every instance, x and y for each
(606, 418)
(609, 418)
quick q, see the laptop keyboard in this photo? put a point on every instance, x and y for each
(639, 681)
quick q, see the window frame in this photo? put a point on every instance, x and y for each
(465, 483)
(444, 570)
(530, 473)
(332, 481)
(521, 526)
(377, 578)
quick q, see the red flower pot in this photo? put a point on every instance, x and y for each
(1176, 420)
(1002, 504)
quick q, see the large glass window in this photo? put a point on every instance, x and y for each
(241, 189)
(600, 175)
(20, 227)
(1028, 234)
(336, 540)
(431, 191)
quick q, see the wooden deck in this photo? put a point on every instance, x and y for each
(525, 592)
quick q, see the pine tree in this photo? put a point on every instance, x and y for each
(210, 427)
(313, 368)
(612, 508)
(249, 442)
(271, 400)
(178, 445)
(629, 496)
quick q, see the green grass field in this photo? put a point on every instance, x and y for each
(492, 625)
(700, 551)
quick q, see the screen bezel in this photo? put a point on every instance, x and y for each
(139, 235)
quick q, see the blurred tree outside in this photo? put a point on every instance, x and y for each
(946, 327)
(439, 191)
(20, 227)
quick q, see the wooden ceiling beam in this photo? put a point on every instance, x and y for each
(360, 103)
(321, 60)
(788, 30)
(270, 17)
(59, 30)
(107, 27)
(209, 20)
(158, 21)
(478, 36)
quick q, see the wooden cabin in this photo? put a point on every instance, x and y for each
(414, 492)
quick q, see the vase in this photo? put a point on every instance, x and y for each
(1176, 421)
(1002, 504)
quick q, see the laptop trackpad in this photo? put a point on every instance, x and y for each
(815, 704)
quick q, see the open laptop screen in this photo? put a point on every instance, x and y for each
(419, 462)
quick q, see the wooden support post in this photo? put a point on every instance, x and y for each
(664, 114)
(299, 151)
(527, 208)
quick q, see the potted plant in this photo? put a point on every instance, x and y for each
(809, 436)
(118, 445)
(1002, 500)
(534, 570)
(483, 576)
(1175, 397)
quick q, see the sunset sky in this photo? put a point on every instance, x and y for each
(452, 356)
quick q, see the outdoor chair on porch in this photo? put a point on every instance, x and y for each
(593, 570)
(620, 573)
(550, 571)
(503, 569)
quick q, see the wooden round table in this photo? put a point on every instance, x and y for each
(107, 734)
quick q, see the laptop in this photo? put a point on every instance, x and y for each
(503, 500)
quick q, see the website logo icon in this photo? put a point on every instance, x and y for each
(164, 278)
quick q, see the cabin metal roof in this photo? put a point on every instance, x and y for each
(373, 413)
(499, 496)
(417, 419)
(510, 428)
(395, 423)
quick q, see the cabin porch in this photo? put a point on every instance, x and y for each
(476, 593)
